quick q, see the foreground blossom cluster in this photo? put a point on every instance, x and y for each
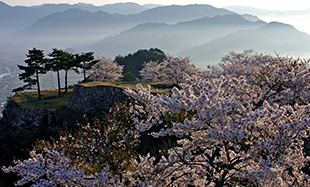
(54, 169)
(240, 127)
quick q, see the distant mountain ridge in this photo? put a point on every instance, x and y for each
(176, 13)
(271, 38)
(298, 18)
(19, 17)
(77, 27)
(119, 8)
(173, 38)
(200, 31)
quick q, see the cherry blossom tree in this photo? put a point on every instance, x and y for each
(106, 70)
(152, 70)
(232, 130)
(52, 168)
(96, 155)
(174, 70)
(242, 132)
(245, 63)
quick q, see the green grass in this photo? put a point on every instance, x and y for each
(51, 101)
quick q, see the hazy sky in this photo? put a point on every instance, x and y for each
(268, 4)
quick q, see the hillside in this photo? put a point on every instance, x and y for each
(176, 13)
(173, 38)
(69, 28)
(14, 18)
(272, 38)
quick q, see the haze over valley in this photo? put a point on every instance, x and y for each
(203, 32)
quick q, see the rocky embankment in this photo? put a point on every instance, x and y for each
(20, 128)
(90, 99)
(19, 118)
(83, 100)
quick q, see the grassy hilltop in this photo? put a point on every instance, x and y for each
(52, 102)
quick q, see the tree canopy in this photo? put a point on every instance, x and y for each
(106, 70)
(36, 65)
(134, 62)
(170, 70)
(71, 63)
(57, 62)
(87, 60)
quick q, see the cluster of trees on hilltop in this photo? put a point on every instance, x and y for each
(151, 65)
(37, 64)
(133, 63)
(243, 124)
(146, 65)
(126, 67)
(170, 70)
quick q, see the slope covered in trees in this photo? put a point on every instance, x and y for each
(243, 124)
(134, 62)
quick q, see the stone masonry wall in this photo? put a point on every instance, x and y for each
(89, 99)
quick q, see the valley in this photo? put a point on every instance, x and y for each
(202, 32)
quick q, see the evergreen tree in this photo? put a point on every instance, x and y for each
(57, 63)
(86, 61)
(35, 66)
(128, 76)
(72, 63)
(134, 62)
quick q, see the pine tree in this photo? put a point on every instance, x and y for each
(56, 63)
(72, 63)
(36, 65)
(86, 60)
(134, 62)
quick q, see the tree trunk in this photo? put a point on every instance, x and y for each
(66, 81)
(38, 84)
(59, 91)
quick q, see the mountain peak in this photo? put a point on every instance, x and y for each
(3, 4)
(277, 25)
(228, 19)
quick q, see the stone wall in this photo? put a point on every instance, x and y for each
(19, 118)
(83, 100)
(90, 99)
